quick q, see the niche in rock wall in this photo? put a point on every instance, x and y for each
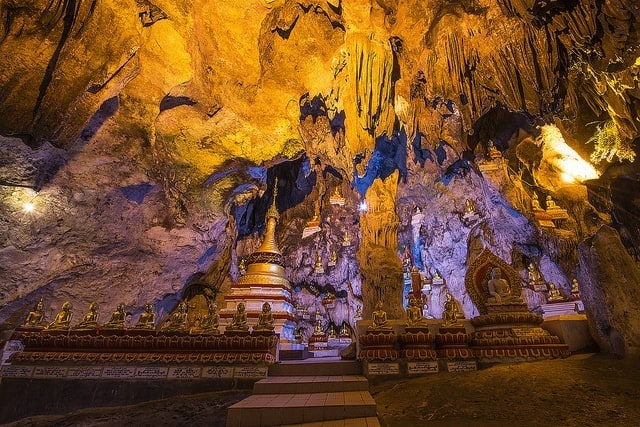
(295, 182)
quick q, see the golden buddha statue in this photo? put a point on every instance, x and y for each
(535, 203)
(535, 277)
(147, 318)
(499, 290)
(554, 294)
(178, 319)
(317, 267)
(239, 320)
(117, 318)
(345, 331)
(242, 267)
(469, 207)
(492, 151)
(551, 204)
(358, 314)
(333, 334)
(333, 259)
(415, 319)
(63, 318)
(90, 320)
(345, 239)
(318, 330)
(451, 312)
(34, 318)
(575, 287)
(265, 319)
(379, 318)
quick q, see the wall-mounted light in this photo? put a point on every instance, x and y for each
(363, 206)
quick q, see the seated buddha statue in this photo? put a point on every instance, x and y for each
(34, 318)
(469, 208)
(499, 290)
(333, 334)
(379, 318)
(318, 330)
(554, 294)
(415, 319)
(147, 318)
(344, 332)
(451, 312)
(535, 277)
(117, 318)
(178, 319)
(63, 318)
(265, 319)
(239, 320)
(90, 320)
(211, 321)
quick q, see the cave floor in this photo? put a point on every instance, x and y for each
(582, 390)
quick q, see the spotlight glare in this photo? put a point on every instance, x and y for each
(363, 207)
(28, 207)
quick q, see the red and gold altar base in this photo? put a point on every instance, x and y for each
(514, 337)
(132, 346)
(378, 346)
(453, 343)
(417, 346)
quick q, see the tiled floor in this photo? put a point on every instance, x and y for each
(320, 400)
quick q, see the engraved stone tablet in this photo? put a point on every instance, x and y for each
(540, 287)
(184, 372)
(383, 368)
(50, 372)
(80, 372)
(118, 372)
(152, 372)
(217, 372)
(250, 372)
(17, 371)
(423, 367)
(462, 366)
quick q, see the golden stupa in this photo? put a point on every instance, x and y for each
(265, 281)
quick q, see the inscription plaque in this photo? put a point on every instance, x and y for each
(250, 372)
(462, 366)
(383, 368)
(17, 371)
(424, 367)
(217, 372)
(118, 372)
(80, 372)
(50, 372)
(184, 372)
(152, 372)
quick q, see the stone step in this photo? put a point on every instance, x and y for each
(314, 367)
(278, 409)
(347, 422)
(311, 384)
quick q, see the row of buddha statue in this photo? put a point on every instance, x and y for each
(415, 318)
(147, 320)
(239, 322)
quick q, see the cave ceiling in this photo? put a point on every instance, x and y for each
(190, 105)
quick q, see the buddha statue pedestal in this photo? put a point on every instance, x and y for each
(452, 348)
(378, 352)
(514, 337)
(318, 341)
(262, 333)
(417, 348)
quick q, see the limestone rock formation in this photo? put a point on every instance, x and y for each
(610, 287)
(138, 139)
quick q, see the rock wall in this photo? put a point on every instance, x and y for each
(146, 134)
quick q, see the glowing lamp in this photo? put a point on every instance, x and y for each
(363, 206)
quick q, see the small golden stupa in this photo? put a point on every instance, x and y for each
(265, 281)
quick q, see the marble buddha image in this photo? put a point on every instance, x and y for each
(265, 319)
(239, 320)
(34, 318)
(499, 290)
(90, 320)
(63, 318)
(147, 318)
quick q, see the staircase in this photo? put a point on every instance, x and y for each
(327, 393)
